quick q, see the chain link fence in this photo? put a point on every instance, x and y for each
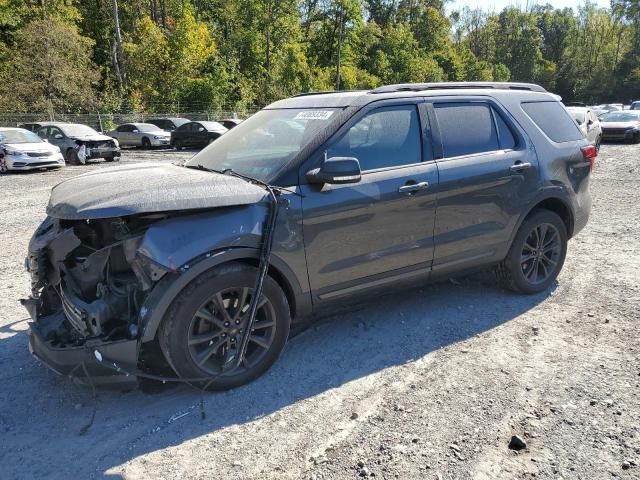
(103, 122)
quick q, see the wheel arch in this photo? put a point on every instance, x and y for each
(161, 297)
(554, 199)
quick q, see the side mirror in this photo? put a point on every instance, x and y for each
(336, 170)
(46, 140)
(135, 130)
(590, 122)
(58, 136)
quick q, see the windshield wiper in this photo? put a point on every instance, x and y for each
(204, 169)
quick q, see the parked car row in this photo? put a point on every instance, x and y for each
(613, 124)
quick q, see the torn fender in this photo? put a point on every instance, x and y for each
(173, 242)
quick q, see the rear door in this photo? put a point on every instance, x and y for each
(379, 230)
(488, 175)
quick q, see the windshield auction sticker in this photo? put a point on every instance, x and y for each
(313, 115)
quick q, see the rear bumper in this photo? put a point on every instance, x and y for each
(68, 360)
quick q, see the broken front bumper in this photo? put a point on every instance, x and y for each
(68, 360)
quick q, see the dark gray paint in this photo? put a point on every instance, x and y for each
(341, 239)
(147, 188)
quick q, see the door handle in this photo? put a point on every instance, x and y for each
(516, 167)
(414, 187)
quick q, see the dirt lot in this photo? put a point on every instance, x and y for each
(430, 384)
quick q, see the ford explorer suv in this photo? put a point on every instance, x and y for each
(197, 272)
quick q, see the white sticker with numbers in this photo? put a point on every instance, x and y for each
(314, 115)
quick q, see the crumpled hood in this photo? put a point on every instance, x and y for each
(32, 147)
(147, 188)
(91, 138)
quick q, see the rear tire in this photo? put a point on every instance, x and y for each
(536, 255)
(3, 166)
(205, 320)
(598, 143)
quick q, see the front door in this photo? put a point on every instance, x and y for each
(380, 229)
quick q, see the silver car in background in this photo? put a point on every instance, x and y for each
(144, 135)
(80, 143)
(589, 124)
(21, 149)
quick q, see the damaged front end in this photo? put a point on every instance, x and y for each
(88, 283)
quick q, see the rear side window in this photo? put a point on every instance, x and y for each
(466, 129)
(553, 120)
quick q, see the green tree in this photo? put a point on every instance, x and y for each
(50, 69)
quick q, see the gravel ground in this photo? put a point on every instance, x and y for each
(430, 384)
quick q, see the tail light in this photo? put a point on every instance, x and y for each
(590, 153)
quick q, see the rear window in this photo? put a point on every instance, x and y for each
(466, 128)
(553, 120)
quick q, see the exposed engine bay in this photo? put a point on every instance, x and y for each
(90, 271)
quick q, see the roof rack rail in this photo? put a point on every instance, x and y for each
(322, 93)
(418, 87)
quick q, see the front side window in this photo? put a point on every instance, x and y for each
(266, 142)
(384, 137)
(466, 129)
(55, 132)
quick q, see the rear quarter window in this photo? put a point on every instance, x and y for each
(553, 120)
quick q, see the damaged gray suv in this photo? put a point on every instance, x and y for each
(197, 272)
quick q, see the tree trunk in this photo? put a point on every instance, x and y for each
(117, 50)
(339, 52)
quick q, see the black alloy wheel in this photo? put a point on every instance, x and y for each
(536, 255)
(203, 328)
(540, 253)
(218, 326)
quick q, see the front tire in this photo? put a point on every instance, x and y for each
(72, 157)
(206, 319)
(146, 143)
(536, 255)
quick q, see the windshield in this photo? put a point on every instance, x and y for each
(19, 136)
(148, 127)
(77, 130)
(264, 143)
(621, 117)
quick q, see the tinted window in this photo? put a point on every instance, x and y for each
(553, 120)
(384, 137)
(55, 131)
(505, 135)
(124, 128)
(466, 129)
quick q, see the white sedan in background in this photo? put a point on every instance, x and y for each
(145, 135)
(21, 149)
(588, 122)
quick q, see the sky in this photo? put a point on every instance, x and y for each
(498, 5)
